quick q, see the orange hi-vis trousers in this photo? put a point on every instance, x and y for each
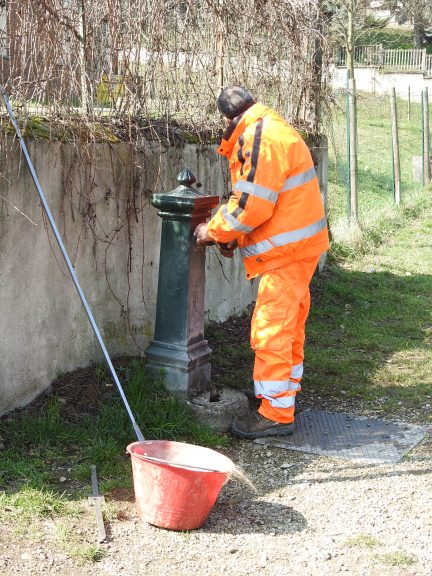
(277, 337)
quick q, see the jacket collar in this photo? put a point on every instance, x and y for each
(238, 126)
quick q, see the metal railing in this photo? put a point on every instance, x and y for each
(399, 60)
(412, 60)
(429, 64)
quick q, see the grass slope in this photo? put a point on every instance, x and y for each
(369, 332)
(370, 329)
(50, 446)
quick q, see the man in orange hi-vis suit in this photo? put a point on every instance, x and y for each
(275, 216)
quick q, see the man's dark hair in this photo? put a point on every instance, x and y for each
(234, 100)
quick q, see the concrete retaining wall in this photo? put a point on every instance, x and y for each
(373, 80)
(100, 198)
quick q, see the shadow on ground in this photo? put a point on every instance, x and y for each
(249, 516)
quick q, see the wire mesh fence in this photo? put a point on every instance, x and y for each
(375, 152)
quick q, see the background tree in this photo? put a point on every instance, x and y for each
(347, 20)
(418, 12)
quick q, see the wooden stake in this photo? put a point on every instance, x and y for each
(395, 147)
(409, 103)
(348, 157)
(426, 138)
(353, 151)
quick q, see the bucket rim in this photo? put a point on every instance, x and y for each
(228, 470)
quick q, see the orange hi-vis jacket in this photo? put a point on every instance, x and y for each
(275, 210)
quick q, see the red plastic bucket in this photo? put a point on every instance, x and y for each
(176, 493)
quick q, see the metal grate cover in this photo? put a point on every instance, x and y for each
(354, 438)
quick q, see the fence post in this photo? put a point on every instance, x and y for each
(426, 138)
(353, 152)
(409, 103)
(395, 147)
(381, 56)
(424, 61)
(348, 157)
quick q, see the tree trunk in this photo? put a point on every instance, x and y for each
(316, 97)
(220, 50)
(350, 43)
(419, 30)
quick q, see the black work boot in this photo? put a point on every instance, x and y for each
(254, 402)
(256, 426)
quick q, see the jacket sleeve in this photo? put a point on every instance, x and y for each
(258, 178)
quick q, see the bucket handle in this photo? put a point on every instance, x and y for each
(175, 464)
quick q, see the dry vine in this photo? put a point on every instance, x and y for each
(150, 70)
(161, 60)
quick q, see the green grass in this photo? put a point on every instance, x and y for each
(398, 558)
(70, 542)
(41, 446)
(27, 503)
(363, 541)
(370, 328)
(378, 213)
(369, 332)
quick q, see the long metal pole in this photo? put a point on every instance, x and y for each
(138, 432)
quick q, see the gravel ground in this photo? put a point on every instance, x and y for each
(311, 515)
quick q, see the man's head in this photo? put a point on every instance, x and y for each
(234, 100)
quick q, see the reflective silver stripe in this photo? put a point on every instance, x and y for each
(284, 402)
(297, 371)
(233, 223)
(270, 387)
(284, 238)
(294, 386)
(256, 190)
(298, 180)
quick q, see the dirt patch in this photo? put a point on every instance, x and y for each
(311, 515)
(80, 392)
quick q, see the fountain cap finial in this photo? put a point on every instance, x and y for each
(185, 199)
(186, 178)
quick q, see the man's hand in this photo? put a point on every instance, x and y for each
(227, 250)
(201, 235)
(202, 238)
